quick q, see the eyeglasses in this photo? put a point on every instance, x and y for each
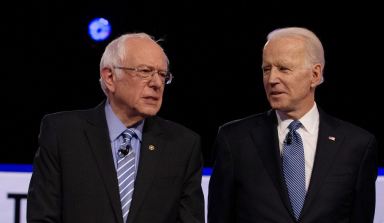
(147, 72)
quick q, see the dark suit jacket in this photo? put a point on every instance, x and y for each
(247, 184)
(74, 178)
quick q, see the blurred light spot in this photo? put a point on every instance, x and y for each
(99, 29)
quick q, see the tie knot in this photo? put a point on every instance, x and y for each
(127, 136)
(294, 125)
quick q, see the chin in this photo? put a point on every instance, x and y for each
(277, 106)
(149, 111)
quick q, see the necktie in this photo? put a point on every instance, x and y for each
(294, 167)
(126, 171)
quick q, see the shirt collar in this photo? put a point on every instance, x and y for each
(308, 121)
(116, 127)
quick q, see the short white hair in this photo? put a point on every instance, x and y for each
(115, 53)
(312, 43)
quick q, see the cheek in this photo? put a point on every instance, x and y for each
(132, 94)
(265, 83)
(137, 94)
(302, 89)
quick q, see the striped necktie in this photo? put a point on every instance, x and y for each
(126, 171)
(294, 167)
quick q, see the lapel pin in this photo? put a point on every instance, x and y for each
(331, 138)
(151, 147)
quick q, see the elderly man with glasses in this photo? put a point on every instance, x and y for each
(119, 162)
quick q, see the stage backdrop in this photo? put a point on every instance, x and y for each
(15, 179)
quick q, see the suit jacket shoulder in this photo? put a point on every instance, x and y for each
(94, 115)
(170, 127)
(238, 126)
(345, 126)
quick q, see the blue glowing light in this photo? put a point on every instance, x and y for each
(99, 29)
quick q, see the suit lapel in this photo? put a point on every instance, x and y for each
(97, 134)
(328, 143)
(266, 141)
(151, 148)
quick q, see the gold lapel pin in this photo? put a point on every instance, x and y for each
(151, 147)
(332, 138)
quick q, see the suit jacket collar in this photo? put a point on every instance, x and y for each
(328, 143)
(153, 144)
(96, 131)
(266, 140)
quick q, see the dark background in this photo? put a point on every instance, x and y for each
(215, 54)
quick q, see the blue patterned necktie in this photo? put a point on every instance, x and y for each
(126, 171)
(294, 167)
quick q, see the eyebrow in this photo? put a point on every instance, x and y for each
(150, 66)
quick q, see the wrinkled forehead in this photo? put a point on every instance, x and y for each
(285, 52)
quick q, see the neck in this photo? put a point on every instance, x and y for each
(295, 114)
(128, 118)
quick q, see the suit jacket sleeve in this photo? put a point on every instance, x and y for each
(221, 185)
(44, 197)
(192, 199)
(364, 207)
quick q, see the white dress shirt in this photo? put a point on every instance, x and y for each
(308, 132)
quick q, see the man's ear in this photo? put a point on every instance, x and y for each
(108, 78)
(317, 75)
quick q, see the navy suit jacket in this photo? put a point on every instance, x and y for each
(74, 178)
(247, 184)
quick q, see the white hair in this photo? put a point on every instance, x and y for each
(115, 53)
(312, 43)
